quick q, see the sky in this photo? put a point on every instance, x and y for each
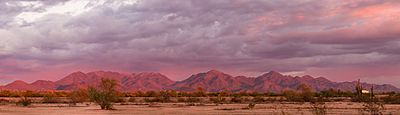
(342, 40)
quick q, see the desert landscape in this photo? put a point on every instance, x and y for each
(211, 92)
(199, 57)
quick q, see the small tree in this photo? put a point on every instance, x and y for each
(24, 101)
(105, 94)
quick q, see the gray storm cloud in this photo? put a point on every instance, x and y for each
(233, 35)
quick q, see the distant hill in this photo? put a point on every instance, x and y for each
(212, 81)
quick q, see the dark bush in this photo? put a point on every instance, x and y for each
(24, 101)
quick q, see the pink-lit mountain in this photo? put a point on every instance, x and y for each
(212, 81)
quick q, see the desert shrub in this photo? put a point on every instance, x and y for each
(24, 101)
(165, 96)
(139, 94)
(50, 98)
(78, 96)
(132, 99)
(105, 95)
(306, 93)
(199, 92)
(236, 100)
(291, 95)
(193, 99)
(151, 94)
(303, 94)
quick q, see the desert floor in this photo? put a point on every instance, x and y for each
(348, 108)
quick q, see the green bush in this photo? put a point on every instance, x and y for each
(105, 95)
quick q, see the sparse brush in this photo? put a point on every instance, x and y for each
(78, 96)
(193, 99)
(372, 108)
(24, 101)
(132, 99)
(236, 100)
(50, 99)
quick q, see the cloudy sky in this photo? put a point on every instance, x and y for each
(341, 40)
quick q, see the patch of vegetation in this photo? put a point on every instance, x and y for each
(78, 96)
(237, 99)
(132, 99)
(50, 98)
(24, 101)
(303, 94)
(193, 99)
(105, 94)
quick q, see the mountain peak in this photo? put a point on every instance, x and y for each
(307, 77)
(149, 74)
(18, 82)
(213, 71)
(273, 73)
(18, 85)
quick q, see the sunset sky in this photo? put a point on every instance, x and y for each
(342, 40)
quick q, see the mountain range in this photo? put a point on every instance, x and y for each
(212, 81)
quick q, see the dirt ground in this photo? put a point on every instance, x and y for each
(339, 108)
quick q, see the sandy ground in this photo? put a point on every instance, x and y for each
(338, 108)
